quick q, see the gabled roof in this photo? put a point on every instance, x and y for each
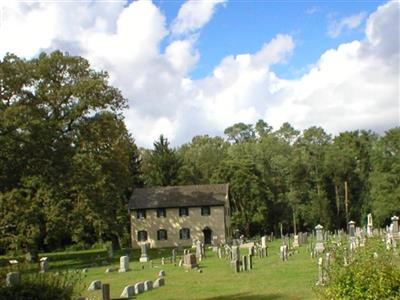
(179, 196)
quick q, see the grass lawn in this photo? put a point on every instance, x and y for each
(269, 279)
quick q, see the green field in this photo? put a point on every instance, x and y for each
(269, 279)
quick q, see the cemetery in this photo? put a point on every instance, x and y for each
(199, 149)
(295, 266)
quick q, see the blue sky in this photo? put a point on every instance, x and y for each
(243, 26)
(197, 67)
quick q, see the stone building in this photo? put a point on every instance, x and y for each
(175, 215)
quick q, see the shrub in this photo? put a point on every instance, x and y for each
(44, 286)
(372, 273)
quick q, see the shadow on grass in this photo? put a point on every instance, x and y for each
(247, 296)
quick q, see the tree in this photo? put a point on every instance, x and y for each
(240, 132)
(200, 158)
(161, 165)
(262, 128)
(65, 152)
(249, 195)
(385, 177)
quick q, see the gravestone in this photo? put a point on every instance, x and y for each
(160, 281)
(320, 272)
(352, 235)
(264, 246)
(296, 241)
(235, 253)
(250, 261)
(95, 285)
(44, 265)
(144, 249)
(370, 227)
(219, 251)
(129, 291)
(13, 262)
(352, 229)
(123, 264)
(13, 278)
(395, 228)
(139, 288)
(189, 261)
(244, 263)
(174, 256)
(109, 270)
(148, 285)
(319, 243)
(251, 250)
(283, 252)
(237, 266)
(161, 273)
(199, 250)
(180, 263)
(162, 260)
(194, 243)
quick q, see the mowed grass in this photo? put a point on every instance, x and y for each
(270, 278)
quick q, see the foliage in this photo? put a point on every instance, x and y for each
(67, 161)
(44, 286)
(200, 159)
(247, 191)
(68, 164)
(385, 176)
(161, 166)
(372, 273)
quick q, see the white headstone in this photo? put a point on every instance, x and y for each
(95, 285)
(139, 288)
(144, 257)
(160, 281)
(264, 241)
(128, 291)
(123, 264)
(319, 244)
(44, 265)
(148, 285)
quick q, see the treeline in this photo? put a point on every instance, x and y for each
(284, 176)
(68, 164)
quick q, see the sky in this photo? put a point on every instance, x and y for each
(197, 67)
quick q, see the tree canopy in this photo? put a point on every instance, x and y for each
(68, 164)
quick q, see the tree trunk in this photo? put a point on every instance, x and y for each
(346, 203)
(337, 200)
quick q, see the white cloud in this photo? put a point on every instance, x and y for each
(193, 15)
(350, 87)
(337, 26)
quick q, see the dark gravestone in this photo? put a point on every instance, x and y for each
(250, 262)
(189, 261)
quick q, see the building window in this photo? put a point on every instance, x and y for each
(205, 211)
(162, 235)
(183, 211)
(184, 234)
(142, 235)
(141, 214)
(161, 212)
